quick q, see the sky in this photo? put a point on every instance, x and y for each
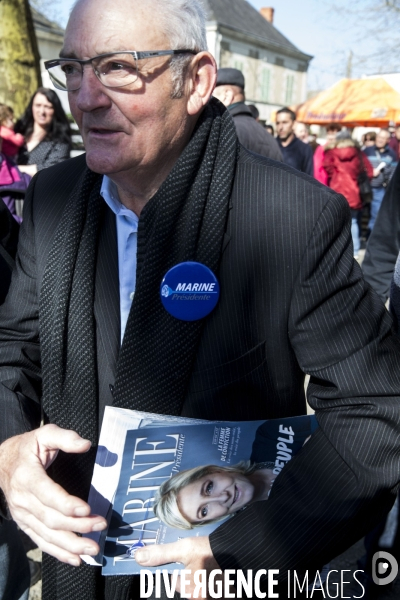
(315, 28)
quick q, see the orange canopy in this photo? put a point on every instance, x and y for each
(353, 102)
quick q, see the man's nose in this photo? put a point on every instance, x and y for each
(92, 94)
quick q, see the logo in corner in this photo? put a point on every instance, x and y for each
(384, 568)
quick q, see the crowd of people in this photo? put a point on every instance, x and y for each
(39, 139)
(358, 171)
(178, 169)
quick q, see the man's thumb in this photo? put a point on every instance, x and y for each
(53, 437)
(158, 555)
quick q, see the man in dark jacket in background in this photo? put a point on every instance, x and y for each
(295, 153)
(230, 91)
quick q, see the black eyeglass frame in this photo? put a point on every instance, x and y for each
(137, 56)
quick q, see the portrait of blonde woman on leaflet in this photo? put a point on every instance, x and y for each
(209, 493)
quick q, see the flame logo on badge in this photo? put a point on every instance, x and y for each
(165, 291)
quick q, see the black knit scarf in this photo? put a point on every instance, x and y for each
(185, 220)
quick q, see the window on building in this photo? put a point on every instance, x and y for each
(289, 89)
(253, 53)
(265, 80)
(279, 61)
(225, 46)
(237, 64)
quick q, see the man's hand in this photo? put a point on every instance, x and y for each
(195, 553)
(42, 508)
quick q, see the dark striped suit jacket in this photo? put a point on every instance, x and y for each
(292, 301)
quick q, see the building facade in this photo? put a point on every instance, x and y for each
(238, 36)
(50, 38)
(241, 37)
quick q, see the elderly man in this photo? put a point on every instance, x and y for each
(229, 90)
(164, 181)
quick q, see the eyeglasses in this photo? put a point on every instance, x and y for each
(114, 70)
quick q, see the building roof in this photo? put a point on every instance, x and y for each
(240, 16)
(41, 23)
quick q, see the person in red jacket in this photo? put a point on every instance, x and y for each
(12, 141)
(344, 161)
(319, 172)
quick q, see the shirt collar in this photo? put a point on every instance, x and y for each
(109, 192)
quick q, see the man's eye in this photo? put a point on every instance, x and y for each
(70, 68)
(114, 66)
(209, 488)
(204, 512)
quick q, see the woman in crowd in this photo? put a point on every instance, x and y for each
(46, 130)
(319, 172)
(344, 162)
(209, 493)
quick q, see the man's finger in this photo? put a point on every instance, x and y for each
(65, 540)
(160, 555)
(53, 438)
(60, 553)
(54, 519)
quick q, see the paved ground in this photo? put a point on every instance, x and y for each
(36, 591)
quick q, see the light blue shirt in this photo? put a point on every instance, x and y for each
(127, 226)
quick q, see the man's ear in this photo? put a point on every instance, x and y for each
(201, 81)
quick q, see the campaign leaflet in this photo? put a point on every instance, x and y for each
(139, 451)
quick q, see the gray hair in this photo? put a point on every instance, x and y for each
(184, 23)
(166, 507)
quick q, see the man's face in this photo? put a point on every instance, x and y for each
(301, 131)
(133, 127)
(382, 138)
(284, 125)
(224, 94)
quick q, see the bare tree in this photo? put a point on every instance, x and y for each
(376, 43)
(48, 8)
(19, 55)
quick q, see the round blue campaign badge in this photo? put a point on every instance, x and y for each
(189, 291)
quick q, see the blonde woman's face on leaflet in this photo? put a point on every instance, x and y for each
(215, 496)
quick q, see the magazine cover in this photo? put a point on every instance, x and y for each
(139, 452)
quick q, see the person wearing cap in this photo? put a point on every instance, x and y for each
(252, 135)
